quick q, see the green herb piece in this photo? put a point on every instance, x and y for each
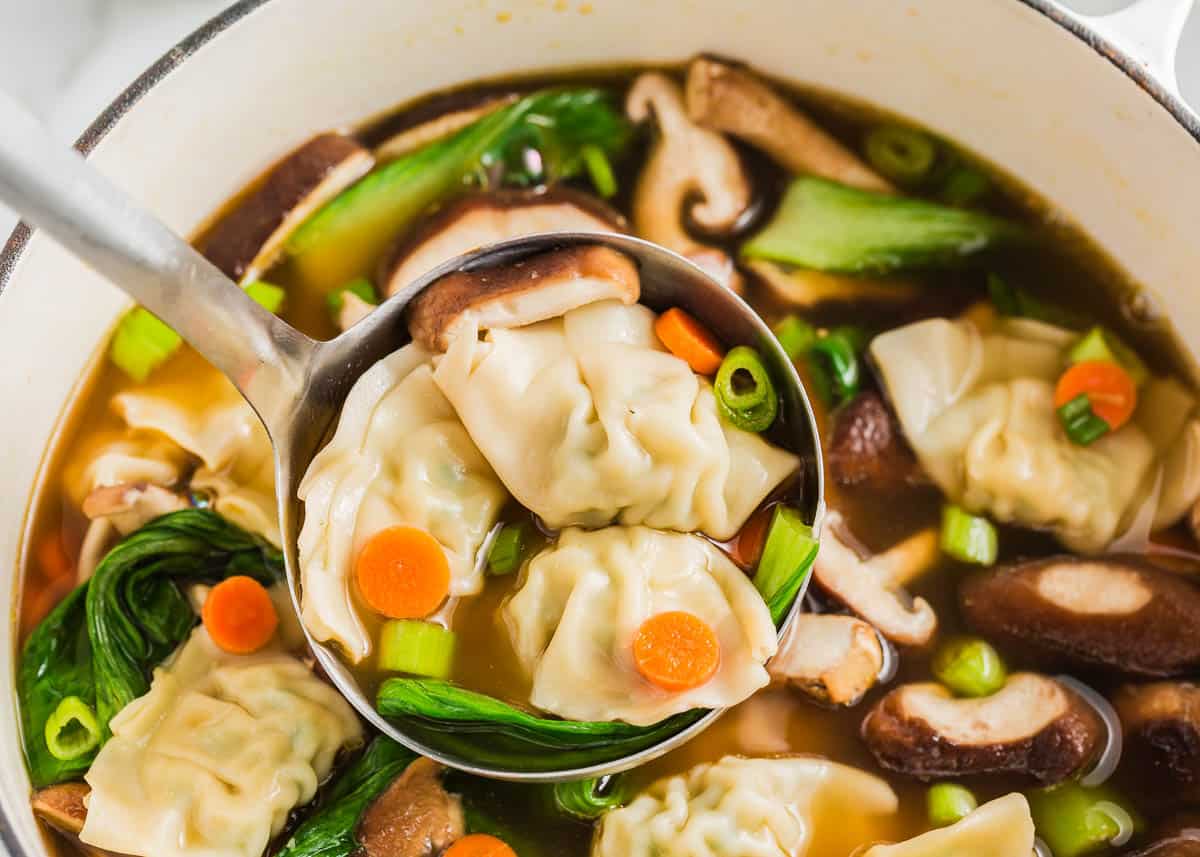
(1080, 422)
(967, 537)
(947, 803)
(902, 155)
(745, 394)
(590, 799)
(360, 287)
(416, 647)
(838, 351)
(1103, 345)
(1074, 820)
(72, 730)
(831, 227)
(787, 558)
(796, 336)
(266, 295)
(599, 170)
(970, 667)
(141, 343)
(507, 550)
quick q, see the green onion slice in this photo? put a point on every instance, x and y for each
(903, 155)
(745, 394)
(967, 537)
(796, 336)
(505, 554)
(360, 286)
(72, 730)
(1080, 422)
(970, 667)
(1075, 820)
(269, 297)
(590, 799)
(416, 647)
(787, 557)
(599, 170)
(948, 803)
(142, 343)
(838, 349)
(1103, 345)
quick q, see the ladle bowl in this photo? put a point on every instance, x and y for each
(297, 385)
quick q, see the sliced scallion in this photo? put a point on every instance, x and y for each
(947, 803)
(72, 730)
(360, 287)
(416, 647)
(970, 667)
(967, 537)
(745, 394)
(269, 297)
(838, 349)
(1080, 422)
(787, 557)
(505, 554)
(1103, 345)
(599, 170)
(142, 343)
(903, 155)
(796, 336)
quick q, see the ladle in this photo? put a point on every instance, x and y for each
(297, 385)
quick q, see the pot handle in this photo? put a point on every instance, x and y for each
(52, 187)
(1146, 31)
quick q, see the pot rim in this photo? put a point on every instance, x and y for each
(18, 240)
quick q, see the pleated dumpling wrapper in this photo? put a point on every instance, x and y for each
(1001, 828)
(581, 603)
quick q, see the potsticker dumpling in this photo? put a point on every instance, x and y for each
(587, 419)
(742, 807)
(214, 757)
(978, 409)
(580, 604)
(1001, 828)
(399, 457)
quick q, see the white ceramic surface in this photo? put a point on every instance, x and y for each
(998, 75)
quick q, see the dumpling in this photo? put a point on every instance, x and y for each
(210, 762)
(743, 807)
(399, 457)
(978, 409)
(588, 420)
(574, 617)
(1001, 828)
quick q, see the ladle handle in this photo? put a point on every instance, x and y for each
(53, 188)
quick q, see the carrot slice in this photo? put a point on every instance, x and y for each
(480, 845)
(689, 340)
(403, 573)
(1109, 388)
(676, 650)
(239, 615)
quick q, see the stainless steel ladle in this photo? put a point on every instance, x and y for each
(297, 385)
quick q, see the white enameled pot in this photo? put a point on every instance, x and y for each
(1018, 81)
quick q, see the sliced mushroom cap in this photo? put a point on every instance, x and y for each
(805, 288)
(868, 445)
(873, 588)
(414, 817)
(132, 505)
(727, 98)
(534, 289)
(1177, 836)
(488, 218)
(691, 173)
(832, 658)
(247, 240)
(1034, 725)
(64, 808)
(1119, 613)
(1161, 722)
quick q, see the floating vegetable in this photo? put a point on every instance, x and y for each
(402, 572)
(480, 845)
(970, 667)
(1099, 344)
(507, 550)
(835, 353)
(239, 615)
(796, 336)
(831, 227)
(591, 799)
(269, 297)
(676, 651)
(964, 185)
(689, 340)
(967, 537)
(599, 170)
(1074, 820)
(745, 394)
(787, 559)
(1080, 422)
(360, 287)
(419, 648)
(947, 803)
(1012, 301)
(72, 731)
(141, 343)
(1110, 393)
(904, 155)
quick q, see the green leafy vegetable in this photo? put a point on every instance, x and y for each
(787, 558)
(416, 647)
(745, 395)
(330, 830)
(831, 227)
(967, 537)
(103, 640)
(72, 730)
(539, 139)
(1080, 422)
(483, 728)
(590, 799)
(903, 155)
(600, 170)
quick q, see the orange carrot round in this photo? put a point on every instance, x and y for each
(689, 340)
(239, 615)
(403, 573)
(480, 845)
(676, 650)
(1109, 388)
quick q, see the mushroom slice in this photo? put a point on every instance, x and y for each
(439, 127)
(1034, 725)
(868, 445)
(1161, 722)
(1178, 836)
(414, 817)
(691, 172)
(727, 98)
(1119, 613)
(131, 505)
(534, 289)
(64, 808)
(492, 217)
(873, 588)
(248, 239)
(832, 658)
(805, 288)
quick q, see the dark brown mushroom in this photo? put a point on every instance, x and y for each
(64, 808)
(868, 446)
(831, 658)
(1161, 724)
(728, 98)
(1113, 612)
(1177, 836)
(246, 240)
(1034, 725)
(534, 289)
(487, 218)
(414, 817)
